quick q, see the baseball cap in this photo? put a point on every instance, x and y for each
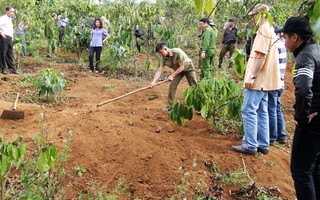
(259, 8)
(297, 25)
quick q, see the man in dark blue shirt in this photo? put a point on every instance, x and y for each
(229, 40)
(305, 155)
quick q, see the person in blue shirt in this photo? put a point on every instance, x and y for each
(97, 33)
(63, 20)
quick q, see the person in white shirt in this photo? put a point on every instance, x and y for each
(6, 42)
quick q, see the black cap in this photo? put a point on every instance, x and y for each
(232, 20)
(297, 25)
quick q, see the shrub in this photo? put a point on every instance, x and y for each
(50, 84)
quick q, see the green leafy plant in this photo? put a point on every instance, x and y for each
(113, 57)
(41, 173)
(79, 170)
(12, 154)
(17, 48)
(234, 178)
(219, 98)
(50, 84)
(180, 112)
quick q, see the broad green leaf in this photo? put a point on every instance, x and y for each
(182, 111)
(179, 122)
(4, 165)
(204, 111)
(15, 153)
(189, 113)
(42, 162)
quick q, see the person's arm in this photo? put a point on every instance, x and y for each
(105, 33)
(2, 34)
(178, 71)
(257, 66)
(157, 76)
(302, 79)
(205, 41)
(224, 37)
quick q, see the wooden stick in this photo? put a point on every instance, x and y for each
(135, 91)
(15, 102)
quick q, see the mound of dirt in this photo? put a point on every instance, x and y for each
(133, 138)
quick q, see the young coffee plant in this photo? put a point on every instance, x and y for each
(113, 57)
(11, 154)
(219, 99)
(50, 84)
(40, 171)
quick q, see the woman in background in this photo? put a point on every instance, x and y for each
(97, 33)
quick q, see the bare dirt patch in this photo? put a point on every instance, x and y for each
(134, 139)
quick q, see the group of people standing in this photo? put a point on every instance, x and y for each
(263, 86)
(50, 31)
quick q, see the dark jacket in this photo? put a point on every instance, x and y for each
(230, 36)
(306, 79)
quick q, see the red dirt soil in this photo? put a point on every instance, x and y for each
(120, 139)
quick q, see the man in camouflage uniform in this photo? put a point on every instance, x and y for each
(208, 45)
(178, 60)
(50, 33)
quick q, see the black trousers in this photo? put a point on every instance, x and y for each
(98, 51)
(61, 34)
(305, 164)
(6, 53)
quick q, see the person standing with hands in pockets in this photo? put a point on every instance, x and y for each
(305, 154)
(97, 33)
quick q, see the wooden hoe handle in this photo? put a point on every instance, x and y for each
(135, 91)
(16, 102)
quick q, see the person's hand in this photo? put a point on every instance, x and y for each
(203, 55)
(3, 36)
(171, 77)
(312, 115)
(249, 82)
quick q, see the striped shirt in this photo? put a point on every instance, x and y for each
(282, 60)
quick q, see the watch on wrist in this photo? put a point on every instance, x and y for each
(252, 76)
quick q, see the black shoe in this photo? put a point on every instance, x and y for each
(264, 151)
(282, 141)
(4, 71)
(168, 108)
(272, 143)
(241, 149)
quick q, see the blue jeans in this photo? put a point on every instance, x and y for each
(23, 43)
(305, 164)
(277, 126)
(255, 120)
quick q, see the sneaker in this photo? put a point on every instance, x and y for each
(264, 151)
(282, 141)
(168, 108)
(243, 150)
(15, 72)
(4, 71)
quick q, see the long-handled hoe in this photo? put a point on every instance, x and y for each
(129, 93)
